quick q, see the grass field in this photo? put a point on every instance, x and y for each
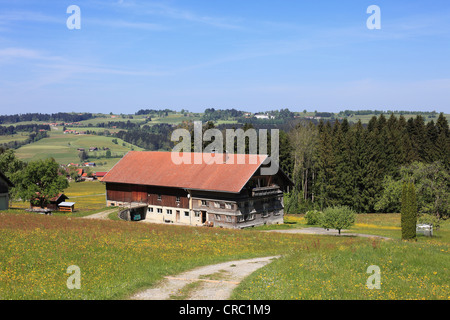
(116, 258)
(13, 137)
(63, 148)
(409, 270)
(89, 197)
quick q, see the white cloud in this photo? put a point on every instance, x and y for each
(9, 54)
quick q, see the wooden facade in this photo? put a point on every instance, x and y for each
(260, 202)
(228, 195)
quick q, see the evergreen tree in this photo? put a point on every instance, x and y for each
(408, 211)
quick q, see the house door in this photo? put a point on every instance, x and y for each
(204, 215)
(178, 216)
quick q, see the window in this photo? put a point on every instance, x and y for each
(240, 218)
(216, 204)
(159, 197)
(217, 217)
(228, 205)
(178, 199)
(249, 217)
(150, 209)
(204, 203)
(197, 214)
(186, 213)
(159, 210)
(228, 218)
(168, 211)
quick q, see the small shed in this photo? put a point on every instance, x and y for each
(67, 206)
(52, 202)
(55, 201)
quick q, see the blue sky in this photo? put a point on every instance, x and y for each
(250, 55)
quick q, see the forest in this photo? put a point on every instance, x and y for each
(337, 163)
(54, 117)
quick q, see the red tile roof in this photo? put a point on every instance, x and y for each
(158, 169)
(100, 174)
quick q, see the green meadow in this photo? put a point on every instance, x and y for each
(63, 148)
(117, 258)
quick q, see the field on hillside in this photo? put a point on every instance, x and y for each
(63, 148)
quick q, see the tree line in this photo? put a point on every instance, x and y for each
(338, 163)
(9, 130)
(54, 117)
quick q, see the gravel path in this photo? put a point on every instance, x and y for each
(213, 282)
(330, 232)
(101, 215)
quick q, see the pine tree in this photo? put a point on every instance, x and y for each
(409, 211)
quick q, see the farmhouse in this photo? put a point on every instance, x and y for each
(5, 184)
(228, 194)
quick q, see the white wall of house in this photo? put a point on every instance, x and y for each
(169, 215)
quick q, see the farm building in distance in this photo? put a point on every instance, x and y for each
(229, 194)
(5, 184)
(56, 203)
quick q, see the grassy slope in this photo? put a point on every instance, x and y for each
(63, 148)
(409, 270)
(115, 257)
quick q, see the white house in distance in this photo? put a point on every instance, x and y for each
(263, 116)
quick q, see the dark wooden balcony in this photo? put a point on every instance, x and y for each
(265, 191)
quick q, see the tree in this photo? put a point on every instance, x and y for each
(337, 217)
(12, 168)
(82, 155)
(409, 211)
(73, 173)
(40, 181)
(431, 185)
(303, 141)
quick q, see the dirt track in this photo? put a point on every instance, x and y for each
(213, 282)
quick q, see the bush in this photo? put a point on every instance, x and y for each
(429, 219)
(313, 217)
(337, 217)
